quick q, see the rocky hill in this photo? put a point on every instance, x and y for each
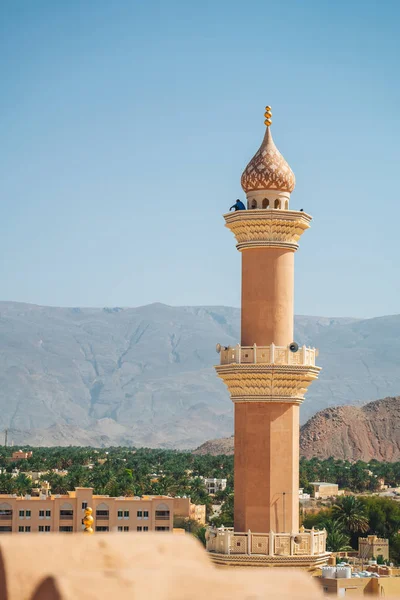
(345, 432)
(355, 433)
(144, 376)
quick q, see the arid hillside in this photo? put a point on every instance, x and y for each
(347, 432)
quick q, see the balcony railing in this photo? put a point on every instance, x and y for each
(268, 355)
(66, 517)
(308, 542)
(6, 517)
(102, 517)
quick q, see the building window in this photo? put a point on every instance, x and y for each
(126, 527)
(27, 529)
(48, 514)
(41, 528)
(162, 515)
(5, 529)
(66, 515)
(84, 505)
(120, 514)
(102, 515)
(145, 514)
(145, 528)
(265, 203)
(20, 528)
(27, 514)
(126, 514)
(102, 528)
(5, 514)
(21, 514)
(120, 528)
(138, 528)
(41, 515)
(277, 203)
(254, 204)
(162, 528)
(47, 528)
(139, 514)
(65, 529)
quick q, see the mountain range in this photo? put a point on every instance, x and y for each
(144, 376)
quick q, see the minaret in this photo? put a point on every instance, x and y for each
(267, 374)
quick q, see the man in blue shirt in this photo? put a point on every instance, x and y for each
(238, 206)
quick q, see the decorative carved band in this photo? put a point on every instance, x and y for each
(267, 383)
(267, 227)
(263, 244)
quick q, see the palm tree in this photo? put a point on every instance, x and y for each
(337, 540)
(350, 513)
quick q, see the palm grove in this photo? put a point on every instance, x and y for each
(121, 471)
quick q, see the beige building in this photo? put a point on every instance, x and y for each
(373, 546)
(325, 490)
(366, 586)
(214, 484)
(20, 455)
(184, 508)
(64, 513)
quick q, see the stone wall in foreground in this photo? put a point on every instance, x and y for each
(132, 566)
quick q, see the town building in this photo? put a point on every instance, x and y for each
(214, 485)
(48, 513)
(324, 490)
(267, 375)
(361, 586)
(303, 495)
(20, 455)
(185, 509)
(372, 546)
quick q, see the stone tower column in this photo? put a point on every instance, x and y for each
(266, 378)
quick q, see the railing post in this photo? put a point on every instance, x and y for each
(291, 545)
(304, 354)
(255, 353)
(272, 353)
(271, 543)
(312, 547)
(239, 353)
(249, 542)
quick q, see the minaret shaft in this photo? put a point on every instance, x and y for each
(266, 467)
(267, 296)
(267, 434)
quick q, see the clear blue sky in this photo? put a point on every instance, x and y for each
(125, 127)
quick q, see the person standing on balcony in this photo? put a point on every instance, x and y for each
(238, 205)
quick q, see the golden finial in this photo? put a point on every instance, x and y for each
(268, 116)
(87, 521)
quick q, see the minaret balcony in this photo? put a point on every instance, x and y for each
(267, 227)
(268, 355)
(267, 373)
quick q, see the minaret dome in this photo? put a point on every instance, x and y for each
(268, 180)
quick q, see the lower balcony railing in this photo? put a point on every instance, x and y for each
(307, 542)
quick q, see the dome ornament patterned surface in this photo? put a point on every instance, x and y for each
(268, 170)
